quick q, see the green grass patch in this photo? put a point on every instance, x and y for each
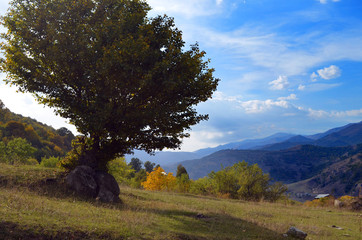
(30, 207)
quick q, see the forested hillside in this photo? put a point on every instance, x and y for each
(290, 165)
(46, 140)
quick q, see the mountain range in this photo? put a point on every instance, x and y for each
(326, 162)
(341, 136)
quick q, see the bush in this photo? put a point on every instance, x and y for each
(183, 183)
(203, 186)
(120, 170)
(321, 202)
(51, 162)
(240, 181)
(159, 180)
(138, 178)
(16, 151)
(32, 161)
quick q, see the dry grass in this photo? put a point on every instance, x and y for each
(32, 209)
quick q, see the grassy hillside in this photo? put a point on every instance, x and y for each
(34, 206)
(340, 178)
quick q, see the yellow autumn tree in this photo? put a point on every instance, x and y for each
(159, 180)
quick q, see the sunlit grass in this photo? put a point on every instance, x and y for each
(33, 211)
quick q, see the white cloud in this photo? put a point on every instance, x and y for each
(348, 113)
(203, 139)
(220, 96)
(322, 86)
(334, 114)
(313, 77)
(186, 8)
(255, 106)
(290, 97)
(280, 83)
(325, 1)
(317, 113)
(260, 106)
(258, 46)
(329, 72)
(301, 87)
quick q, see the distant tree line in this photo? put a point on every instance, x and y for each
(240, 181)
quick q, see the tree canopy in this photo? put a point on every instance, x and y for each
(122, 78)
(135, 164)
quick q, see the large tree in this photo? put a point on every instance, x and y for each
(122, 78)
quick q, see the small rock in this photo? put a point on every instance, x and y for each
(200, 215)
(339, 228)
(296, 233)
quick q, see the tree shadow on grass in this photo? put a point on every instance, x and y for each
(166, 224)
(13, 231)
(179, 224)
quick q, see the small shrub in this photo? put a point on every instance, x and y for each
(32, 161)
(51, 162)
(322, 202)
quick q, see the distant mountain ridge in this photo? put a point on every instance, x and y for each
(168, 157)
(329, 162)
(350, 134)
(291, 165)
(341, 136)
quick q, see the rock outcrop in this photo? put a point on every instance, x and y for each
(296, 233)
(93, 184)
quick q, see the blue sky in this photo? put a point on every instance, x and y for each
(285, 66)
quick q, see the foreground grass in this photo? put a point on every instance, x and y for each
(32, 208)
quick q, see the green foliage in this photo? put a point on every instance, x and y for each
(138, 178)
(183, 180)
(253, 184)
(183, 183)
(3, 152)
(73, 157)
(181, 170)
(32, 161)
(203, 186)
(51, 162)
(135, 164)
(149, 166)
(120, 170)
(18, 151)
(45, 139)
(241, 181)
(123, 79)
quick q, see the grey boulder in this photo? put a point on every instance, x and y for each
(81, 180)
(296, 233)
(93, 184)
